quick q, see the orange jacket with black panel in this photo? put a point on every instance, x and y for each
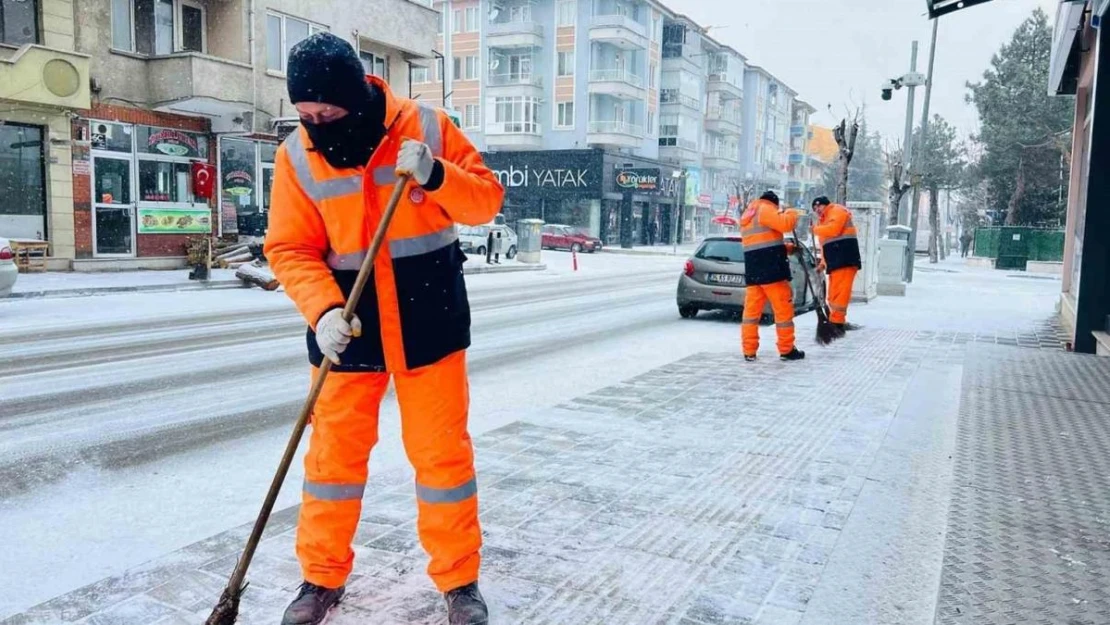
(839, 244)
(762, 227)
(414, 310)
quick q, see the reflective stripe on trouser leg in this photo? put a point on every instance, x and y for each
(434, 404)
(754, 301)
(840, 293)
(781, 295)
(344, 429)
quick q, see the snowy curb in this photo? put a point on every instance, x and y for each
(110, 290)
(480, 269)
(634, 252)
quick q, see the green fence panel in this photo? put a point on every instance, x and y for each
(986, 242)
(1046, 245)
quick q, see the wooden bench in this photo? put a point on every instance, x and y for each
(30, 255)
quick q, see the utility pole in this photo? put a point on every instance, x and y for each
(916, 203)
(907, 143)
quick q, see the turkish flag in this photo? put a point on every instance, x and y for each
(204, 180)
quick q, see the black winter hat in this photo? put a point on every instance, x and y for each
(770, 196)
(325, 68)
(821, 201)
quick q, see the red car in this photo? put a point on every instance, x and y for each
(560, 237)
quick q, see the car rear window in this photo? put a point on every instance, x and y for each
(725, 250)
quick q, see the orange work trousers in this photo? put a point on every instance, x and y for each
(840, 293)
(434, 402)
(781, 295)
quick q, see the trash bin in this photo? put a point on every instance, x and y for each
(898, 233)
(529, 240)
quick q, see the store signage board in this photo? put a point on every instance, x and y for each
(638, 179)
(174, 221)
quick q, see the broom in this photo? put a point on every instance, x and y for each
(226, 611)
(827, 331)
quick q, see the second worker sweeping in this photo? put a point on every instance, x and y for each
(767, 270)
(840, 254)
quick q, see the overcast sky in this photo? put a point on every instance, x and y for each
(839, 52)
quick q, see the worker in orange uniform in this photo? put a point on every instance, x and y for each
(840, 255)
(767, 271)
(332, 180)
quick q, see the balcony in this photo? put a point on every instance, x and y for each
(617, 83)
(45, 76)
(198, 84)
(615, 134)
(796, 158)
(522, 84)
(514, 135)
(722, 159)
(679, 150)
(514, 35)
(798, 130)
(723, 121)
(675, 97)
(620, 31)
(719, 83)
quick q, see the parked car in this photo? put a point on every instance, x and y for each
(560, 237)
(713, 279)
(474, 239)
(8, 271)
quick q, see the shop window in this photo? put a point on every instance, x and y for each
(19, 21)
(22, 183)
(161, 181)
(282, 33)
(110, 137)
(244, 203)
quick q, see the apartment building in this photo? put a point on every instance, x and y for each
(121, 113)
(799, 173)
(768, 111)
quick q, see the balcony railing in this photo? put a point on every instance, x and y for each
(678, 142)
(674, 96)
(515, 28)
(718, 113)
(619, 21)
(514, 128)
(522, 79)
(616, 75)
(616, 128)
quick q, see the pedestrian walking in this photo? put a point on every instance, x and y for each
(767, 268)
(653, 231)
(412, 323)
(489, 247)
(965, 243)
(839, 255)
(497, 247)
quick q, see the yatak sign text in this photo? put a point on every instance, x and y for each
(574, 178)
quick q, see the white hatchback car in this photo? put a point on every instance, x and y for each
(8, 271)
(473, 239)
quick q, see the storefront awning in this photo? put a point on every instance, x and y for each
(1063, 70)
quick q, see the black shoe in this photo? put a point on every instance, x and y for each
(794, 354)
(749, 358)
(850, 327)
(312, 605)
(465, 606)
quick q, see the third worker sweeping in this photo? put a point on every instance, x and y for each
(767, 269)
(840, 254)
(333, 177)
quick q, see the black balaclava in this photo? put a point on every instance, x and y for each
(771, 197)
(325, 68)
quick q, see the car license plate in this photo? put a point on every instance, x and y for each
(726, 278)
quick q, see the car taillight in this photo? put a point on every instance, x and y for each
(6, 253)
(689, 270)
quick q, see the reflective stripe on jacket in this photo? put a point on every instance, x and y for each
(839, 244)
(414, 310)
(762, 227)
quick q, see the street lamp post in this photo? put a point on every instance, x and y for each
(680, 174)
(911, 249)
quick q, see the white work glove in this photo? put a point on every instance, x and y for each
(333, 333)
(415, 159)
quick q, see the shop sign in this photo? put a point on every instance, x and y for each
(640, 179)
(705, 199)
(172, 143)
(574, 178)
(174, 221)
(561, 173)
(693, 186)
(238, 182)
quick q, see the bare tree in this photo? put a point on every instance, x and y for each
(899, 182)
(845, 136)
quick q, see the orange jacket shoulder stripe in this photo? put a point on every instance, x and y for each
(322, 219)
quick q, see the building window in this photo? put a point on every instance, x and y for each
(472, 117)
(651, 122)
(282, 33)
(471, 68)
(154, 27)
(19, 20)
(457, 20)
(652, 70)
(517, 114)
(22, 180)
(520, 13)
(420, 76)
(566, 63)
(564, 115)
(655, 28)
(439, 22)
(471, 20)
(567, 10)
(375, 64)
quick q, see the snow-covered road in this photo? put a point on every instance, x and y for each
(132, 425)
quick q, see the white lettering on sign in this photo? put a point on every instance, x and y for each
(559, 178)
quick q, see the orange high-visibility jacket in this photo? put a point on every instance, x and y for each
(414, 310)
(762, 227)
(839, 244)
